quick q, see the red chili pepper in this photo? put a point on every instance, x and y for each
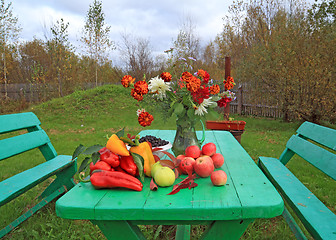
(108, 179)
(109, 157)
(100, 165)
(127, 163)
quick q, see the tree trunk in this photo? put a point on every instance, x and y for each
(96, 74)
(5, 74)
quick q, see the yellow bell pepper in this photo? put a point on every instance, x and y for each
(115, 145)
(145, 151)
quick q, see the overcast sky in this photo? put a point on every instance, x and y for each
(156, 20)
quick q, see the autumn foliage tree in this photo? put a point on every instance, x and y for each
(284, 55)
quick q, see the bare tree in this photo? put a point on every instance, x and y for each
(9, 32)
(96, 35)
(137, 55)
(187, 43)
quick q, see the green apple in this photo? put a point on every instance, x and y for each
(155, 166)
(164, 176)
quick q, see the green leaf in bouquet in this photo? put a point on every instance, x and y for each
(92, 149)
(171, 95)
(78, 151)
(216, 98)
(170, 111)
(178, 109)
(187, 101)
(139, 161)
(191, 113)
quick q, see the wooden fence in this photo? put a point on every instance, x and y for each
(34, 92)
(241, 105)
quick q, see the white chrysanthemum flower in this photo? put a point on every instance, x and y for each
(201, 110)
(139, 111)
(159, 87)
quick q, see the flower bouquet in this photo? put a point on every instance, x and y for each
(187, 96)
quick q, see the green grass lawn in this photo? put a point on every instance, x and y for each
(86, 117)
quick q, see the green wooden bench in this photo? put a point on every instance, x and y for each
(315, 144)
(32, 137)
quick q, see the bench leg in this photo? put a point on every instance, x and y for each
(226, 229)
(63, 178)
(121, 230)
(293, 225)
(182, 232)
(31, 211)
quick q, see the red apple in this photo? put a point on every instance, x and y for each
(209, 149)
(180, 157)
(218, 178)
(218, 160)
(187, 164)
(204, 166)
(193, 151)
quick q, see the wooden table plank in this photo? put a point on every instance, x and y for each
(216, 202)
(79, 202)
(122, 204)
(258, 202)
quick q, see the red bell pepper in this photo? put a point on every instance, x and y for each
(108, 179)
(109, 157)
(100, 165)
(127, 163)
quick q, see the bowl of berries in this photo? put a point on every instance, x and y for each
(156, 142)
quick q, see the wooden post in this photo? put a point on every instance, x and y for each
(240, 99)
(227, 67)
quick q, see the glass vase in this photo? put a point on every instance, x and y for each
(185, 135)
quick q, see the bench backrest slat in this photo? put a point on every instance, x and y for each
(22, 143)
(13, 122)
(320, 134)
(317, 156)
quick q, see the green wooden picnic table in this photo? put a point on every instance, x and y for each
(228, 210)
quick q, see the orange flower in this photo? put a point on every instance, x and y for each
(145, 119)
(141, 87)
(136, 95)
(204, 75)
(193, 84)
(127, 80)
(166, 76)
(186, 76)
(214, 89)
(229, 83)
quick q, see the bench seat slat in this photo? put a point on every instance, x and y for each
(18, 121)
(320, 134)
(317, 156)
(318, 219)
(16, 185)
(22, 143)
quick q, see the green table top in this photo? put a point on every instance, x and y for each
(247, 195)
